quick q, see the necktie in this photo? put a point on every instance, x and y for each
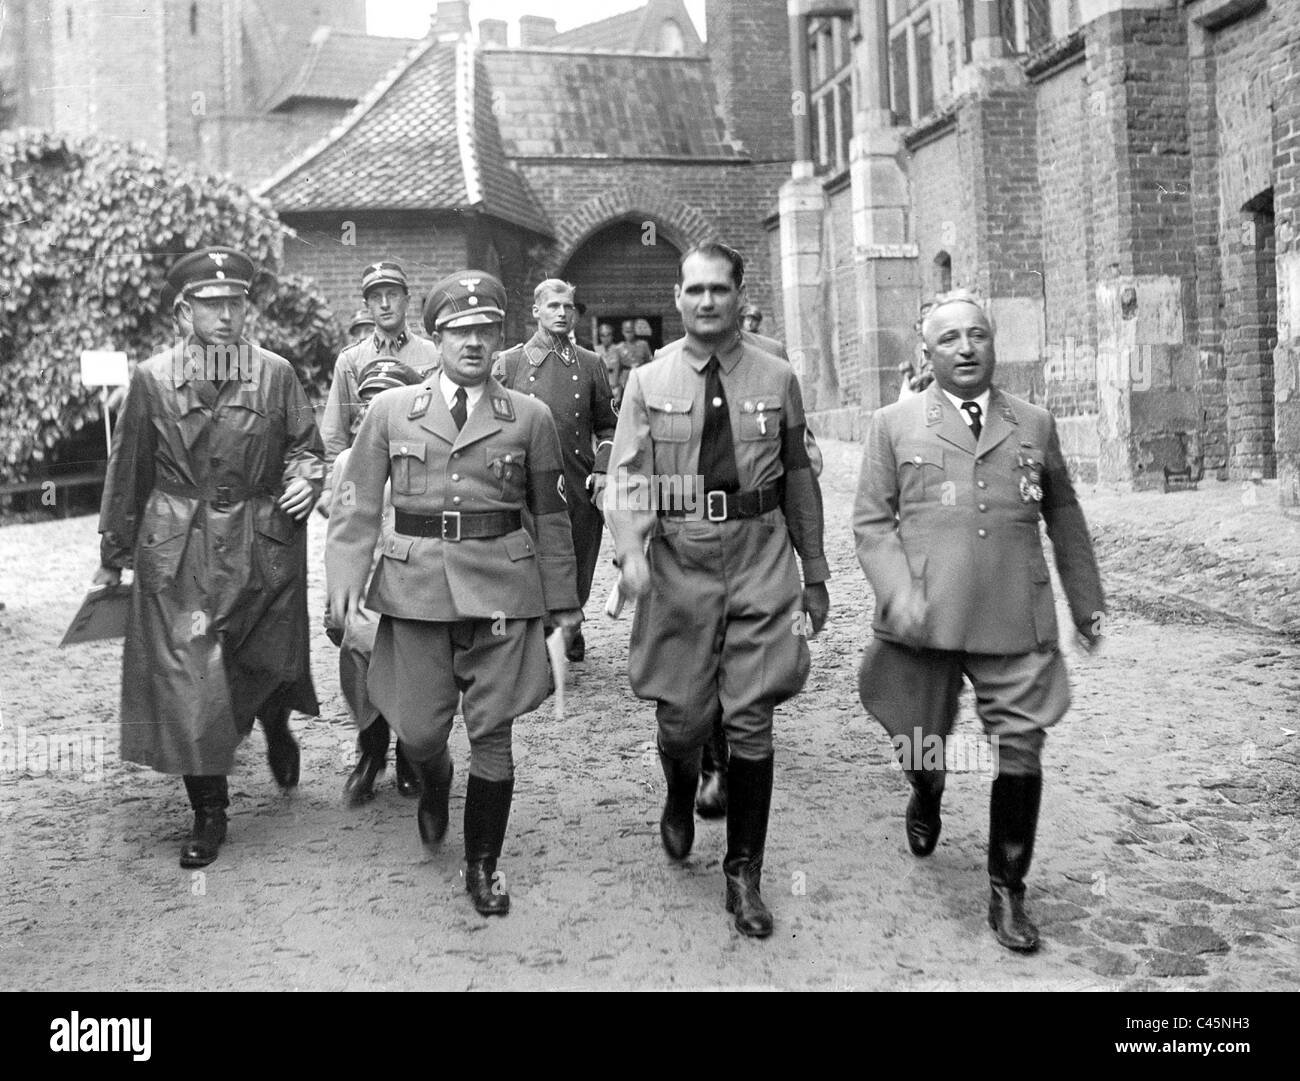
(458, 411)
(974, 412)
(717, 451)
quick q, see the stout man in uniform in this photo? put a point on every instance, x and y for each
(462, 587)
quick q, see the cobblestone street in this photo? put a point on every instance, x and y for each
(1167, 855)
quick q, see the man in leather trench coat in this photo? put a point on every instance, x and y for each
(216, 462)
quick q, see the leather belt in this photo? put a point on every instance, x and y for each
(726, 506)
(220, 496)
(454, 525)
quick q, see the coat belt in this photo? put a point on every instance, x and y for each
(454, 525)
(219, 495)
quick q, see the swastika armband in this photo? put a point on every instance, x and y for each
(546, 491)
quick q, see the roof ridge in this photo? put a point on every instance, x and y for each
(465, 63)
(350, 121)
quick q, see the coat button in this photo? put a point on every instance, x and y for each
(575, 378)
(455, 476)
(404, 450)
(917, 460)
(984, 506)
(668, 407)
(983, 532)
(456, 499)
(577, 395)
(532, 379)
(981, 484)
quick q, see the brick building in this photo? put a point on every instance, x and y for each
(1120, 179)
(563, 156)
(232, 86)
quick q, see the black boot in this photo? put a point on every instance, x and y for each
(577, 648)
(1013, 821)
(209, 796)
(434, 814)
(923, 822)
(487, 810)
(282, 752)
(677, 824)
(408, 778)
(750, 801)
(711, 800)
(360, 785)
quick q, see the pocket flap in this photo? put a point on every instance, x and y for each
(398, 548)
(919, 454)
(519, 545)
(506, 455)
(406, 449)
(669, 403)
(272, 522)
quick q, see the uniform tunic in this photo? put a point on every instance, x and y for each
(218, 618)
(954, 519)
(577, 391)
(720, 632)
(456, 616)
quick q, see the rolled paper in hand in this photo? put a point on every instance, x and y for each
(614, 603)
(555, 647)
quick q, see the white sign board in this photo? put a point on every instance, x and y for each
(103, 368)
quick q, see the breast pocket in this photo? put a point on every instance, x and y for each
(509, 465)
(921, 472)
(406, 463)
(670, 417)
(275, 534)
(760, 419)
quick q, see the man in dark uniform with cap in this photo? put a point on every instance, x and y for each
(710, 468)
(572, 382)
(216, 462)
(386, 294)
(462, 587)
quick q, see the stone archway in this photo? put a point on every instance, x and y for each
(626, 270)
(680, 223)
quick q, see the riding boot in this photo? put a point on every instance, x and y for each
(487, 810)
(282, 751)
(209, 796)
(373, 742)
(922, 821)
(749, 801)
(408, 777)
(434, 814)
(1013, 822)
(711, 800)
(677, 824)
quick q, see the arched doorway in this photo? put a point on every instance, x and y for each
(626, 270)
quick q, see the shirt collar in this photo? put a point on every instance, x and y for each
(448, 388)
(982, 401)
(728, 353)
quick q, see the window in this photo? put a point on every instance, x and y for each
(194, 19)
(912, 48)
(1025, 25)
(830, 69)
(671, 39)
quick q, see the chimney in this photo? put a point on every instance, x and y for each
(535, 30)
(450, 20)
(493, 32)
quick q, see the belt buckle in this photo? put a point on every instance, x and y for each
(711, 500)
(222, 499)
(454, 517)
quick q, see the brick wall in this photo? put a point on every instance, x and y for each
(749, 45)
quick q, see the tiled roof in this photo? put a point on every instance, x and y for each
(616, 32)
(424, 139)
(554, 104)
(340, 66)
